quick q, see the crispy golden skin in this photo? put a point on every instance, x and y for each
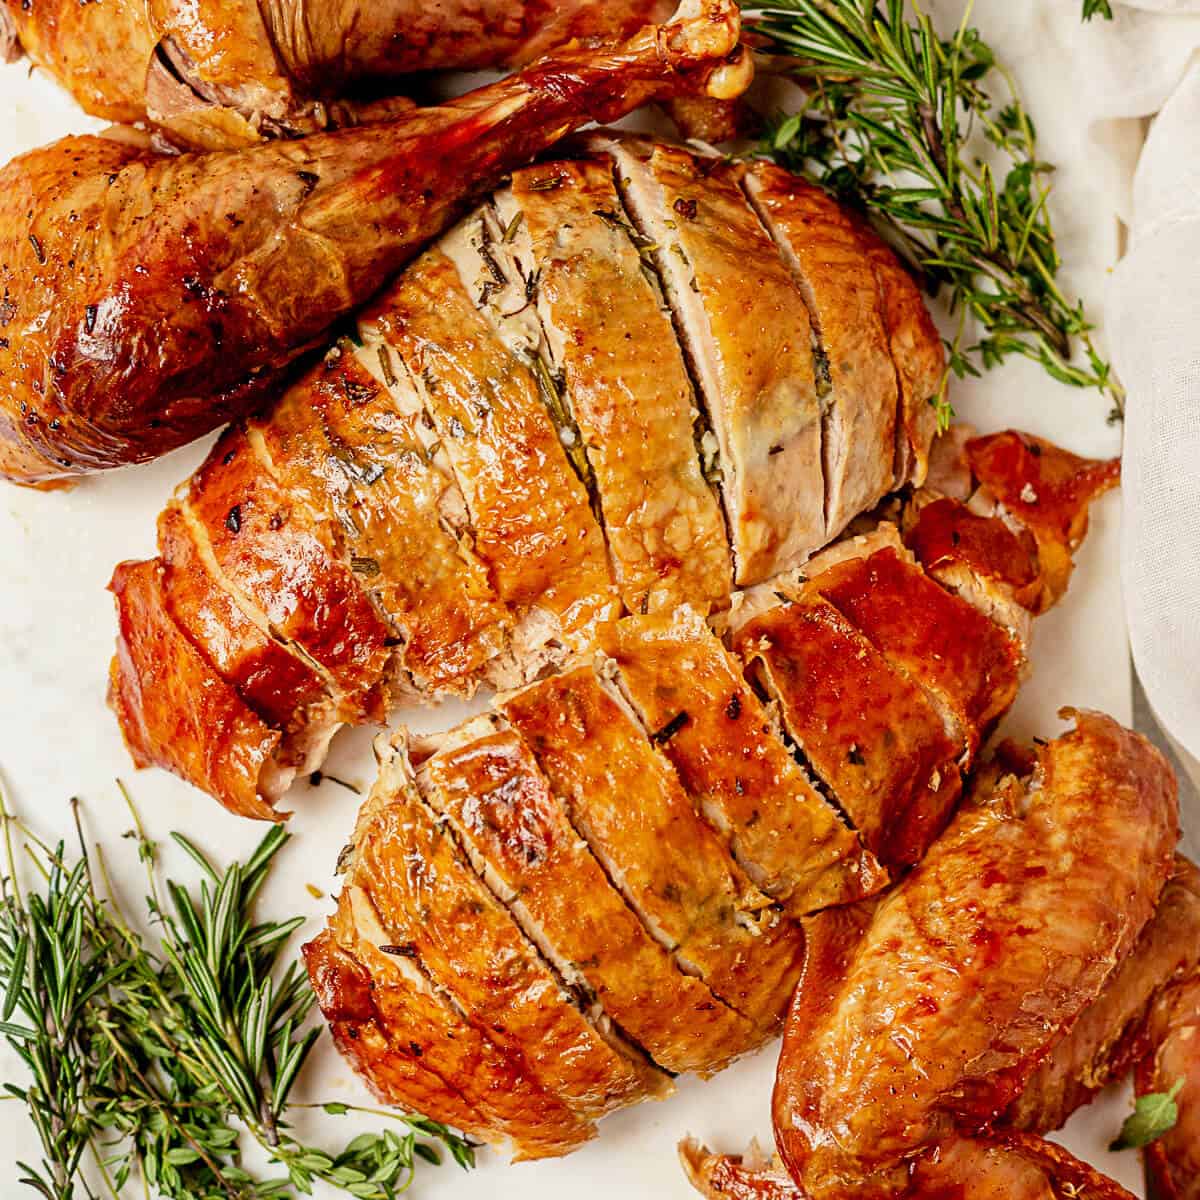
(174, 709)
(628, 388)
(735, 767)
(529, 512)
(406, 1039)
(943, 1010)
(1111, 1035)
(1173, 1034)
(252, 254)
(673, 869)
(434, 907)
(518, 831)
(871, 735)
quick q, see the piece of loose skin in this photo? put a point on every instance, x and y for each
(487, 785)
(252, 254)
(943, 1011)
(674, 870)
(626, 383)
(733, 763)
(856, 375)
(743, 324)
(413, 1046)
(434, 905)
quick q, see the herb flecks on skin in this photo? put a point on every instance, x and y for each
(892, 122)
(153, 1056)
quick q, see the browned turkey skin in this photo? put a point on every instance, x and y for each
(147, 299)
(683, 849)
(518, 445)
(222, 73)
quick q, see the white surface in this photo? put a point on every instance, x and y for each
(57, 739)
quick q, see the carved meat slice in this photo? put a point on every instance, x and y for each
(731, 760)
(486, 784)
(1110, 1036)
(751, 347)
(295, 587)
(175, 709)
(672, 868)
(529, 512)
(873, 738)
(856, 377)
(409, 1041)
(1173, 1032)
(943, 1011)
(965, 661)
(437, 911)
(624, 377)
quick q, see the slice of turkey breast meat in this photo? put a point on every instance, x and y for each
(733, 763)
(530, 516)
(439, 912)
(486, 785)
(855, 373)
(673, 869)
(743, 324)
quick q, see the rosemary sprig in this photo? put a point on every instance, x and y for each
(902, 124)
(155, 1061)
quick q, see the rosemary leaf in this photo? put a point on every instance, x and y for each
(903, 124)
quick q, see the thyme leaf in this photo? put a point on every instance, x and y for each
(152, 1057)
(902, 124)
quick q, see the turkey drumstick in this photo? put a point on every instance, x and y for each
(149, 299)
(225, 72)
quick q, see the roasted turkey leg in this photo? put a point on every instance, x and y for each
(148, 299)
(223, 72)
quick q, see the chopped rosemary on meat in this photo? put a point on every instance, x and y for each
(901, 123)
(550, 389)
(153, 1056)
(670, 729)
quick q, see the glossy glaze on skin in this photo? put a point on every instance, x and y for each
(967, 663)
(628, 388)
(872, 736)
(437, 909)
(943, 1011)
(735, 767)
(239, 69)
(529, 512)
(406, 1038)
(1173, 1034)
(750, 342)
(1048, 490)
(175, 709)
(833, 270)
(1111, 1035)
(519, 833)
(676, 873)
(254, 253)
(344, 443)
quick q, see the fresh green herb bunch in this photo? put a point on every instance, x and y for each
(159, 1062)
(892, 120)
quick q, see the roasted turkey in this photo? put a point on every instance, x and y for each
(149, 298)
(644, 834)
(630, 381)
(218, 73)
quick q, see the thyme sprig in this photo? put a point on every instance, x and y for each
(157, 1058)
(902, 123)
